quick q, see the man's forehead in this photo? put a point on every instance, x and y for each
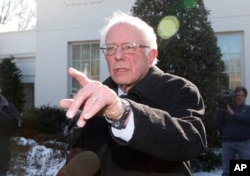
(240, 92)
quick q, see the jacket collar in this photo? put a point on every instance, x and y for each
(145, 85)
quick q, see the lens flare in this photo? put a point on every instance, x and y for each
(167, 27)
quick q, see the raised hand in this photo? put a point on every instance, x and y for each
(93, 98)
(229, 110)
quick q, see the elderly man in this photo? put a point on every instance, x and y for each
(139, 121)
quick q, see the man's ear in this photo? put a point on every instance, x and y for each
(152, 55)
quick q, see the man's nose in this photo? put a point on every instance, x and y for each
(119, 53)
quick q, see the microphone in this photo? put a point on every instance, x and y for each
(86, 163)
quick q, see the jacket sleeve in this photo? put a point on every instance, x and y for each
(173, 132)
(9, 119)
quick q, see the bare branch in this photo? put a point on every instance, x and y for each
(20, 12)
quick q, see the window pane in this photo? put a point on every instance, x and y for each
(86, 68)
(85, 51)
(235, 44)
(76, 50)
(85, 57)
(223, 43)
(76, 64)
(231, 47)
(95, 68)
(95, 51)
(235, 63)
(235, 80)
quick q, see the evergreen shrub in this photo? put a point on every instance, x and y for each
(45, 119)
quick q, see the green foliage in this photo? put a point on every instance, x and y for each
(45, 119)
(208, 161)
(192, 51)
(10, 83)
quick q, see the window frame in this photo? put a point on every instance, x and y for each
(228, 53)
(83, 58)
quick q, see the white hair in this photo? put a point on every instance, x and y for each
(121, 17)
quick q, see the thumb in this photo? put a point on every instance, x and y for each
(65, 103)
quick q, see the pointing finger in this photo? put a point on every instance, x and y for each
(79, 77)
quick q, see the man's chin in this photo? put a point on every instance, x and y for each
(121, 79)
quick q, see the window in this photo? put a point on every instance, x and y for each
(232, 55)
(85, 57)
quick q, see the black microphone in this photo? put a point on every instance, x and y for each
(86, 163)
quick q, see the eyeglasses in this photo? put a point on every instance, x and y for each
(128, 48)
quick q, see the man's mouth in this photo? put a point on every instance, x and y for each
(119, 70)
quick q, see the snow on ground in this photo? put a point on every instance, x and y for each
(43, 161)
(213, 173)
(38, 160)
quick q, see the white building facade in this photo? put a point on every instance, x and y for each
(67, 35)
